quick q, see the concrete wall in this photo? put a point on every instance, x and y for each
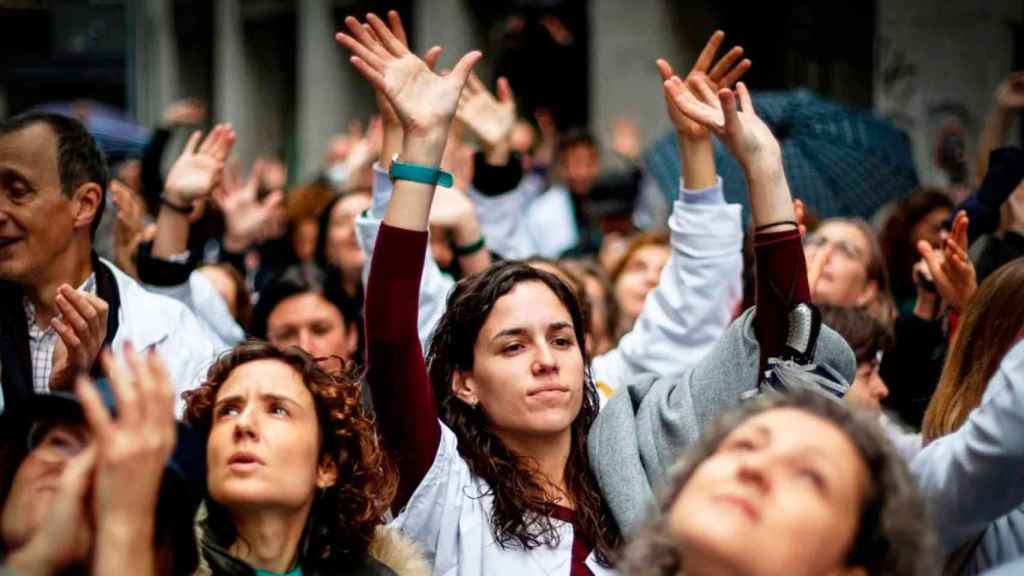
(939, 62)
(625, 40)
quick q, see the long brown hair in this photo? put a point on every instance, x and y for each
(522, 512)
(893, 533)
(344, 516)
(993, 321)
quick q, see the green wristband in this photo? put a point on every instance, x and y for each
(419, 173)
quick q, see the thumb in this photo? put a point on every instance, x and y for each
(465, 66)
(931, 257)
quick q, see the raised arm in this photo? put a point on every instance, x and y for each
(1009, 99)
(781, 269)
(424, 104)
(693, 303)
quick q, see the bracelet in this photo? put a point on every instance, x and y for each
(186, 210)
(779, 223)
(419, 173)
(470, 248)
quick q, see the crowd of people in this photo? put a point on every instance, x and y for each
(455, 352)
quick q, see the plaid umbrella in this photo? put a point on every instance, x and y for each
(838, 161)
(117, 135)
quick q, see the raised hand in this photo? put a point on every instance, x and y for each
(1010, 94)
(129, 228)
(187, 112)
(246, 216)
(490, 118)
(131, 453)
(730, 115)
(626, 139)
(82, 328)
(423, 102)
(726, 72)
(198, 170)
(951, 269)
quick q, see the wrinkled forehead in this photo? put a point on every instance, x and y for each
(840, 231)
(529, 307)
(265, 377)
(30, 152)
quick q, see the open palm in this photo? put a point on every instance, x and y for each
(726, 72)
(423, 101)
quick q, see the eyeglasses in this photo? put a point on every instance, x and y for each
(842, 247)
(56, 442)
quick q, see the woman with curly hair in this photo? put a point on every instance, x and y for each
(297, 482)
(787, 484)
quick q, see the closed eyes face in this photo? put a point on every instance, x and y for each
(265, 438)
(781, 494)
(527, 371)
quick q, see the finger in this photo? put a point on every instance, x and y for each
(77, 475)
(664, 68)
(225, 144)
(273, 200)
(72, 342)
(100, 306)
(358, 49)
(702, 90)
(369, 41)
(192, 143)
(84, 306)
(211, 137)
(96, 415)
(707, 55)
(390, 42)
(372, 76)
(727, 61)
(689, 106)
(71, 316)
(474, 84)
(736, 73)
(729, 111)
(931, 258)
(504, 90)
(395, 23)
(465, 65)
(960, 228)
(745, 101)
(121, 385)
(161, 379)
(431, 56)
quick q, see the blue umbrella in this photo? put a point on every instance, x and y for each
(838, 161)
(117, 134)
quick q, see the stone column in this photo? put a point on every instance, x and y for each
(330, 91)
(625, 40)
(155, 62)
(231, 85)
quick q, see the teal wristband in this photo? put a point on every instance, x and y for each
(419, 173)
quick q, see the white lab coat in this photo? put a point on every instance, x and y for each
(683, 316)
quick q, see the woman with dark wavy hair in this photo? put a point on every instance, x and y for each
(297, 481)
(792, 485)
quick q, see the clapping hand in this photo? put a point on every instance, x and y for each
(726, 72)
(82, 329)
(129, 229)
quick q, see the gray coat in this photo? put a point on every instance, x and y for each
(973, 479)
(650, 422)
